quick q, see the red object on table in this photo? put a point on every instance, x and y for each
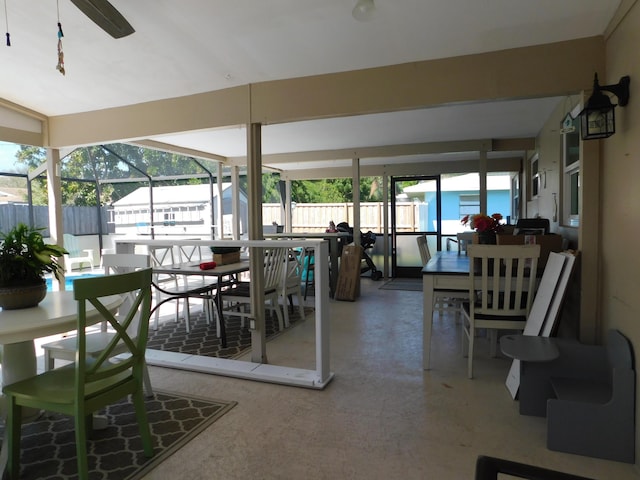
(207, 265)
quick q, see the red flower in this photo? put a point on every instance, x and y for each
(483, 223)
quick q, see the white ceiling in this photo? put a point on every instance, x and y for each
(193, 46)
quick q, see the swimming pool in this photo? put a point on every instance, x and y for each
(68, 281)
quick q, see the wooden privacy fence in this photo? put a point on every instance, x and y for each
(315, 217)
(76, 220)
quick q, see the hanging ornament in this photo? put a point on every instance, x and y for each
(6, 18)
(60, 66)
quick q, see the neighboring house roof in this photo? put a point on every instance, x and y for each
(171, 194)
(13, 195)
(462, 183)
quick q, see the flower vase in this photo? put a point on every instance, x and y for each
(485, 238)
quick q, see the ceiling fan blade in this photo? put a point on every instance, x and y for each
(105, 16)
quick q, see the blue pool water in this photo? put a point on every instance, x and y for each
(68, 281)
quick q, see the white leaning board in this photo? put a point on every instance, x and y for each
(546, 307)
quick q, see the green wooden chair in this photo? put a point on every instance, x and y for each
(89, 384)
(65, 348)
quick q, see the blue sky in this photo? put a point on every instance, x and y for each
(8, 156)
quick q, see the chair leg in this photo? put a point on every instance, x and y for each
(12, 435)
(81, 446)
(286, 311)
(49, 362)
(472, 336)
(493, 345)
(276, 306)
(143, 423)
(148, 389)
(300, 303)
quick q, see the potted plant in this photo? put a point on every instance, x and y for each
(24, 260)
(486, 226)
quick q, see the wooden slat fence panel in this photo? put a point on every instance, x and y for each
(315, 217)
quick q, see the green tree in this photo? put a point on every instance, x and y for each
(335, 190)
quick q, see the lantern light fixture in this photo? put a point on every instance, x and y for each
(597, 119)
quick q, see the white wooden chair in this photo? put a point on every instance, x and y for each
(443, 300)
(464, 239)
(505, 278)
(164, 255)
(239, 294)
(96, 342)
(76, 255)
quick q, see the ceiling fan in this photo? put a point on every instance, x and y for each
(105, 16)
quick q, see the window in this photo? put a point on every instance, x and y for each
(571, 174)
(515, 198)
(535, 177)
(469, 204)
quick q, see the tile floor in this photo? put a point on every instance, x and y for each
(382, 416)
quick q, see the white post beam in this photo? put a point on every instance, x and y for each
(482, 170)
(235, 202)
(355, 179)
(54, 194)
(218, 232)
(256, 256)
(385, 223)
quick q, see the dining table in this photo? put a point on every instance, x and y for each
(219, 272)
(57, 313)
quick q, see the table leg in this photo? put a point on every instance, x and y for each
(427, 319)
(218, 301)
(18, 363)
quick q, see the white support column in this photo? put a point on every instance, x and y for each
(482, 170)
(235, 202)
(54, 193)
(321, 271)
(288, 219)
(385, 224)
(355, 179)
(218, 233)
(256, 257)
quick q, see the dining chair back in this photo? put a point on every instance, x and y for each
(443, 300)
(502, 281)
(91, 383)
(65, 348)
(423, 248)
(164, 255)
(464, 239)
(240, 292)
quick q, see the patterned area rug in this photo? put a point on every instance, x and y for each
(115, 453)
(410, 284)
(203, 340)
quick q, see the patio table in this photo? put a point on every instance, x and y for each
(201, 291)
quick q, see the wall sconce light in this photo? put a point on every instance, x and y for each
(598, 119)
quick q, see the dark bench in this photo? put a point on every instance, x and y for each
(593, 412)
